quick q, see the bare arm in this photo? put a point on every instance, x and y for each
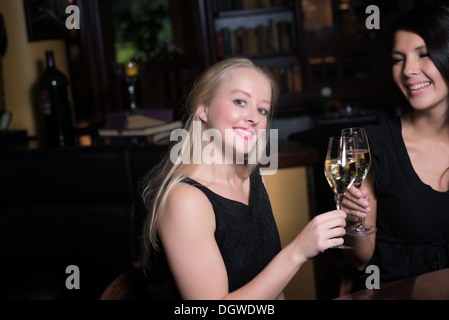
(187, 229)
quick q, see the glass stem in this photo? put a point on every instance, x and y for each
(360, 221)
(338, 200)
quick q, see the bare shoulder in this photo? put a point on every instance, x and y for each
(185, 194)
(186, 203)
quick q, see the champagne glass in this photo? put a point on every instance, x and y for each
(339, 169)
(360, 152)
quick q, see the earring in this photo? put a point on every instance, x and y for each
(204, 117)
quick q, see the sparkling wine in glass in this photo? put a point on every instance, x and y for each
(339, 169)
(360, 152)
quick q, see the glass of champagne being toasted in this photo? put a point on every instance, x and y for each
(339, 169)
(359, 151)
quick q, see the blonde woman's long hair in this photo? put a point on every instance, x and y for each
(158, 182)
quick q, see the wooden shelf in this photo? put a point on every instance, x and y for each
(251, 12)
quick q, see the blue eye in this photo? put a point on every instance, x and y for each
(239, 102)
(263, 111)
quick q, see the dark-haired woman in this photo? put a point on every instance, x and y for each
(407, 191)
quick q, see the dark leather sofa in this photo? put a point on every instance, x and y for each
(65, 207)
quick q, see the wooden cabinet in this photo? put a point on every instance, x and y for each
(289, 195)
(318, 43)
(308, 45)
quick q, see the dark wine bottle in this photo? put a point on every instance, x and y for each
(55, 106)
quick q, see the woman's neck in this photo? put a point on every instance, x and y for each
(216, 173)
(425, 124)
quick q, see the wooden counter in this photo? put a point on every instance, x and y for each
(428, 286)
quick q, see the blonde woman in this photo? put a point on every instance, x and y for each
(210, 232)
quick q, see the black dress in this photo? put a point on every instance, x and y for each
(412, 217)
(247, 237)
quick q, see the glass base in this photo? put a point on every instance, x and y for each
(342, 246)
(360, 230)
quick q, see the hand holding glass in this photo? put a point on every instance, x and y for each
(359, 151)
(339, 169)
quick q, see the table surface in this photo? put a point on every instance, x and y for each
(429, 286)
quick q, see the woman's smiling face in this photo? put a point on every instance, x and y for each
(415, 73)
(240, 109)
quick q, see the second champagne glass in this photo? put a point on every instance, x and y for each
(339, 169)
(360, 152)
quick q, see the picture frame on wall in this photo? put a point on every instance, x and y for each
(46, 19)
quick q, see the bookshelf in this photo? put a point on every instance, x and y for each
(308, 45)
(262, 30)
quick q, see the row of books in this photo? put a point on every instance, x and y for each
(157, 135)
(275, 37)
(288, 78)
(128, 140)
(228, 5)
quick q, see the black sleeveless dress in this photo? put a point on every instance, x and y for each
(412, 217)
(246, 235)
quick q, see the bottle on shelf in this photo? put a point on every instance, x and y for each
(55, 106)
